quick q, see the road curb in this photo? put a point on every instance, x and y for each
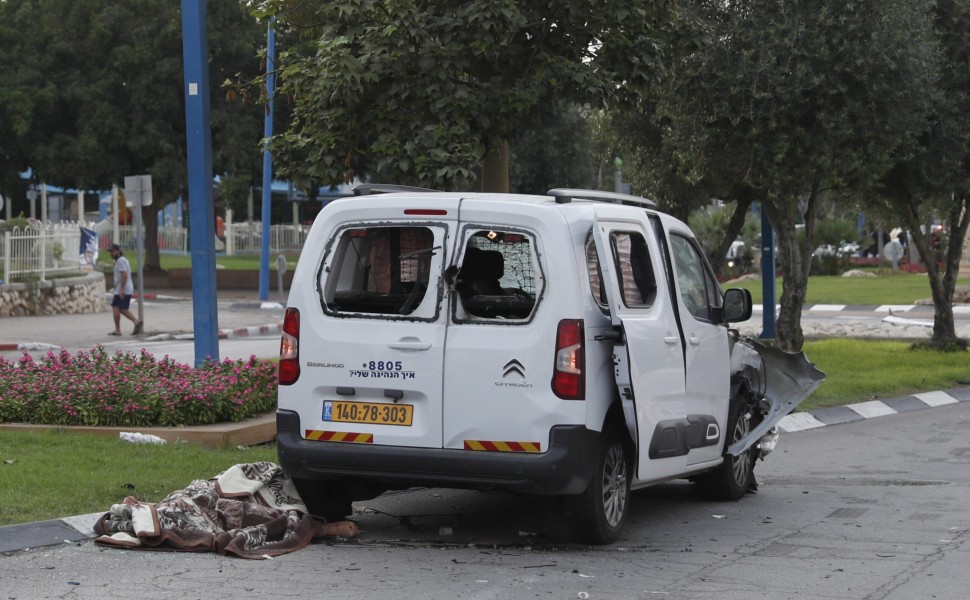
(887, 309)
(848, 413)
(28, 346)
(253, 330)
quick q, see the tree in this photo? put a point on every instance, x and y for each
(553, 151)
(931, 176)
(798, 102)
(101, 91)
(425, 91)
(25, 92)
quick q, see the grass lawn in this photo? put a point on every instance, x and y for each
(47, 475)
(241, 262)
(862, 370)
(901, 288)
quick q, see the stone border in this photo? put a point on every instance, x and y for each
(65, 295)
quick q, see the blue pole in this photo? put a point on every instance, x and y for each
(267, 159)
(767, 275)
(198, 133)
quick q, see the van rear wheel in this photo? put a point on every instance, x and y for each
(331, 504)
(603, 507)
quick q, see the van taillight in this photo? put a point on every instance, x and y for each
(569, 370)
(290, 348)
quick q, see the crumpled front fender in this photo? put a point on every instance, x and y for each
(785, 379)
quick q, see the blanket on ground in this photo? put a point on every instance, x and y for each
(250, 510)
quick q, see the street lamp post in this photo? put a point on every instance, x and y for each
(32, 198)
(618, 175)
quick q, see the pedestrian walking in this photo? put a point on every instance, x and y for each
(123, 289)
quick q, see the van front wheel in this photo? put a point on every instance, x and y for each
(603, 507)
(735, 476)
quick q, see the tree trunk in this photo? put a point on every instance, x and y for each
(495, 169)
(730, 234)
(942, 284)
(794, 258)
(149, 219)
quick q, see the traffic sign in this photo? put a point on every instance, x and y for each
(138, 190)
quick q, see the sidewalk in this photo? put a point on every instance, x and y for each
(168, 315)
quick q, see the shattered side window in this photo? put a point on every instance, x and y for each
(595, 273)
(638, 286)
(379, 270)
(498, 276)
(698, 288)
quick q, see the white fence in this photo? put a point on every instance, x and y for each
(43, 251)
(247, 238)
(40, 251)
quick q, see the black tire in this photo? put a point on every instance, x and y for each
(322, 500)
(735, 476)
(602, 509)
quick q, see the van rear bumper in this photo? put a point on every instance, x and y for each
(565, 468)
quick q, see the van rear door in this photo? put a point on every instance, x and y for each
(500, 355)
(379, 348)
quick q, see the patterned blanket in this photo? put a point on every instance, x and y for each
(250, 510)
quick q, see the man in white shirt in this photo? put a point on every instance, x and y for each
(123, 289)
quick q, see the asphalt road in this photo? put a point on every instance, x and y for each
(875, 509)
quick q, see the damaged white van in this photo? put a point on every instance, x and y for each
(574, 344)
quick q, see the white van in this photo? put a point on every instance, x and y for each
(572, 344)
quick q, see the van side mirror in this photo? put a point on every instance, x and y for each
(737, 305)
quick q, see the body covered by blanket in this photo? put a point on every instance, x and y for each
(250, 510)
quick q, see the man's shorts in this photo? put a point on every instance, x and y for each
(122, 303)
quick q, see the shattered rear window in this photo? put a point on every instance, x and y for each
(380, 270)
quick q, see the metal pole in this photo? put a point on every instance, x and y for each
(267, 159)
(137, 203)
(43, 232)
(43, 203)
(195, 49)
(114, 214)
(767, 275)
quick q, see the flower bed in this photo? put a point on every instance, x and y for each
(97, 388)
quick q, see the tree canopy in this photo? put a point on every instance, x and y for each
(94, 92)
(786, 103)
(424, 90)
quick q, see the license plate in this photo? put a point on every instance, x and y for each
(378, 413)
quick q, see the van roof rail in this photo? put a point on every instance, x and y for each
(566, 195)
(366, 189)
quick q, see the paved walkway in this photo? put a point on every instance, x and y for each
(167, 317)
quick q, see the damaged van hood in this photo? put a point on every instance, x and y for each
(783, 378)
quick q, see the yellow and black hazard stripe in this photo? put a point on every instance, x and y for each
(339, 436)
(493, 446)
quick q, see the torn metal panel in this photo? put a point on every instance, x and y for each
(783, 378)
